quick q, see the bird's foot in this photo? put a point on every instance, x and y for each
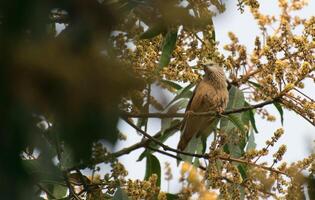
(220, 111)
(189, 113)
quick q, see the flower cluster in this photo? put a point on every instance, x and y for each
(192, 178)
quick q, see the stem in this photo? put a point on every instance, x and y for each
(210, 113)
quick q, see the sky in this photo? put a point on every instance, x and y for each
(299, 134)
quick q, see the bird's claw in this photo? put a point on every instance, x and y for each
(220, 111)
(189, 113)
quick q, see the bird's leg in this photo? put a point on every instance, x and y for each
(189, 113)
(219, 112)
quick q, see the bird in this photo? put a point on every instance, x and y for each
(210, 94)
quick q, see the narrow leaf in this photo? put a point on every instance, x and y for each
(120, 195)
(192, 147)
(243, 170)
(168, 47)
(237, 122)
(153, 167)
(170, 196)
(251, 116)
(153, 31)
(251, 141)
(171, 84)
(254, 84)
(279, 108)
(182, 93)
(180, 104)
(229, 124)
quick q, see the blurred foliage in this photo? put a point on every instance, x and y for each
(62, 91)
(65, 78)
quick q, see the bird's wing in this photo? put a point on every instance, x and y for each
(192, 124)
(188, 107)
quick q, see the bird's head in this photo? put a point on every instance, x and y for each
(213, 71)
(211, 66)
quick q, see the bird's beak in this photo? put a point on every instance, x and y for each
(206, 68)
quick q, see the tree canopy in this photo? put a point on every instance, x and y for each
(63, 90)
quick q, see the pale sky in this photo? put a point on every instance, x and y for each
(299, 134)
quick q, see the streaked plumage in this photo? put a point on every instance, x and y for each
(210, 94)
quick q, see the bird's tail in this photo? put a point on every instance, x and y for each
(183, 142)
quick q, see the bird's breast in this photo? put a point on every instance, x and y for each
(215, 99)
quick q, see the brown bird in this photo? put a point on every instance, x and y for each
(210, 94)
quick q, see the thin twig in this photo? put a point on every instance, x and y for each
(252, 164)
(147, 109)
(291, 106)
(71, 190)
(312, 100)
(172, 156)
(261, 154)
(165, 147)
(165, 153)
(143, 143)
(198, 38)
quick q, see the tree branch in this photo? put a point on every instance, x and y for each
(228, 158)
(143, 143)
(205, 156)
(165, 147)
(181, 115)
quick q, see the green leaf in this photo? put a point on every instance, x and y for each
(229, 124)
(195, 144)
(141, 122)
(206, 132)
(168, 47)
(59, 191)
(165, 124)
(170, 196)
(279, 108)
(237, 123)
(153, 167)
(243, 171)
(44, 171)
(182, 93)
(167, 133)
(251, 141)
(251, 116)
(254, 84)
(143, 155)
(178, 105)
(153, 31)
(171, 84)
(236, 100)
(120, 195)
